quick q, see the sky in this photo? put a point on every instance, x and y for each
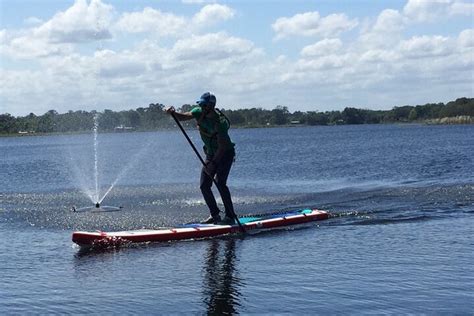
(306, 55)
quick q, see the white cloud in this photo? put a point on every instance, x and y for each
(38, 91)
(151, 20)
(422, 10)
(82, 22)
(385, 32)
(214, 46)
(379, 56)
(198, 1)
(311, 24)
(430, 10)
(466, 39)
(167, 24)
(33, 20)
(334, 24)
(111, 64)
(323, 47)
(142, 74)
(425, 46)
(213, 13)
(462, 8)
(29, 47)
(325, 62)
(389, 21)
(379, 62)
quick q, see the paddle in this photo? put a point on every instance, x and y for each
(203, 163)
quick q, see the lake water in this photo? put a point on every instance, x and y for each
(400, 238)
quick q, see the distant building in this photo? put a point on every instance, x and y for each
(25, 132)
(122, 128)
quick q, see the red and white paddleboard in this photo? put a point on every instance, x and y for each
(196, 231)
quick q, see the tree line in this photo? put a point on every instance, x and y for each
(153, 117)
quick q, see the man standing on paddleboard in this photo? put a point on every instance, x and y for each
(220, 152)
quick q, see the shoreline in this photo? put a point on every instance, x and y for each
(458, 120)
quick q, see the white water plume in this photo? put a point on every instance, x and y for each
(135, 158)
(79, 176)
(84, 163)
(86, 166)
(96, 158)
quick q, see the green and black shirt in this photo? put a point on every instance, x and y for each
(210, 129)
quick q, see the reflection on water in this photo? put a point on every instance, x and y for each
(221, 284)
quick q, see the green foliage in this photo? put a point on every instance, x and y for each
(279, 115)
(462, 106)
(413, 115)
(8, 124)
(236, 117)
(153, 117)
(400, 114)
(353, 116)
(317, 118)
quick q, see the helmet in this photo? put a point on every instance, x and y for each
(207, 99)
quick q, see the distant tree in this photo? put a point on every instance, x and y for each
(335, 117)
(461, 106)
(279, 115)
(130, 118)
(353, 116)
(186, 107)
(255, 116)
(27, 123)
(7, 123)
(235, 117)
(317, 118)
(47, 122)
(108, 120)
(413, 115)
(430, 110)
(401, 113)
(153, 117)
(298, 116)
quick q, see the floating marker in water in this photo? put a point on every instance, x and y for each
(96, 208)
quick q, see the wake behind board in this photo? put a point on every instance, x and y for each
(197, 231)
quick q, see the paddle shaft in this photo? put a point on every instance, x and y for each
(202, 162)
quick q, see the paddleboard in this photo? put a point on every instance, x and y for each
(251, 224)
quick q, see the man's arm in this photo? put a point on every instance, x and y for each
(186, 116)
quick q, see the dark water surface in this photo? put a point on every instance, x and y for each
(400, 238)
